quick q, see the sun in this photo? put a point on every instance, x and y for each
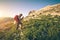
(1, 14)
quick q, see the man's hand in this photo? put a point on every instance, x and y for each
(22, 17)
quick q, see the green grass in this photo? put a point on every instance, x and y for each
(45, 28)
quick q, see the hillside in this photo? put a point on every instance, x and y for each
(5, 22)
(43, 24)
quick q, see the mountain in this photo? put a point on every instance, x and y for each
(34, 14)
(50, 9)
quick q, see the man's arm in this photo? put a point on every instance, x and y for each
(22, 17)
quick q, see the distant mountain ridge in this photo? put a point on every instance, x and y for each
(4, 22)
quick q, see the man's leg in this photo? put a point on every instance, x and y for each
(17, 26)
(21, 25)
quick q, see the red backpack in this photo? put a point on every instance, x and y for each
(16, 18)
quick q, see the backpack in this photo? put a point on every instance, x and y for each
(16, 18)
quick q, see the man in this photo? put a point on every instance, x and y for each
(18, 19)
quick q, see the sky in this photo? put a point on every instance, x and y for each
(10, 8)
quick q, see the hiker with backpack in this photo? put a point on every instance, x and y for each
(18, 19)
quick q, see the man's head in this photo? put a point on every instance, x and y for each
(20, 15)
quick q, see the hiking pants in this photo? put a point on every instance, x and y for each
(19, 23)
